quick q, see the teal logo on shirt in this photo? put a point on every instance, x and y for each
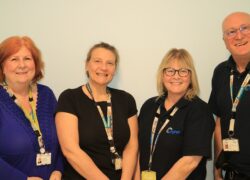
(172, 131)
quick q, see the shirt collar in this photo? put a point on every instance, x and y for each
(232, 65)
(180, 104)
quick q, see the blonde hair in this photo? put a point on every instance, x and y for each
(104, 46)
(184, 58)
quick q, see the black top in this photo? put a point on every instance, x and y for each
(221, 105)
(188, 133)
(92, 134)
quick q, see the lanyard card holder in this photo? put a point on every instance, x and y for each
(43, 159)
(148, 175)
(231, 145)
(108, 125)
(118, 163)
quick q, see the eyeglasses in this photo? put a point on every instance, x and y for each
(183, 72)
(231, 33)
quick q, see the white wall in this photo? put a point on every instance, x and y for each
(142, 30)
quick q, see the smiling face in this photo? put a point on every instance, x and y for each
(238, 45)
(19, 68)
(176, 85)
(101, 66)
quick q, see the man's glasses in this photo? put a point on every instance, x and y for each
(183, 72)
(231, 33)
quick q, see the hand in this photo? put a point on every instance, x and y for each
(56, 175)
(218, 174)
(218, 178)
(34, 178)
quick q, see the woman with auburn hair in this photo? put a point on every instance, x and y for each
(29, 148)
(176, 126)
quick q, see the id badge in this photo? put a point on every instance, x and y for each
(118, 163)
(148, 175)
(43, 159)
(231, 145)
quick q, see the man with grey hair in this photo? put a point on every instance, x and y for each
(230, 100)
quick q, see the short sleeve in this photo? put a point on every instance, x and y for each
(132, 110)
(212, 99)
(53, 102)
(198, 131)
(66, 102)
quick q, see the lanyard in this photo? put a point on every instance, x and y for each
(236, 101)
(30, 115)
(107, 122)
(152, 141)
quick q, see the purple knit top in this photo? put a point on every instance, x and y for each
(18, 143)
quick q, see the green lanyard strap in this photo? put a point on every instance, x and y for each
(30, 115)
(108, 123)
(236, 101)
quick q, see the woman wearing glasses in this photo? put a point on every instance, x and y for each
(176, 126)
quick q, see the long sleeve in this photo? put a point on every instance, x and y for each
(59, 157)
(18, 143)
(59, 162)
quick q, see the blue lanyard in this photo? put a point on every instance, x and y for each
(240, 92)
(236, 101)
(108, 122)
